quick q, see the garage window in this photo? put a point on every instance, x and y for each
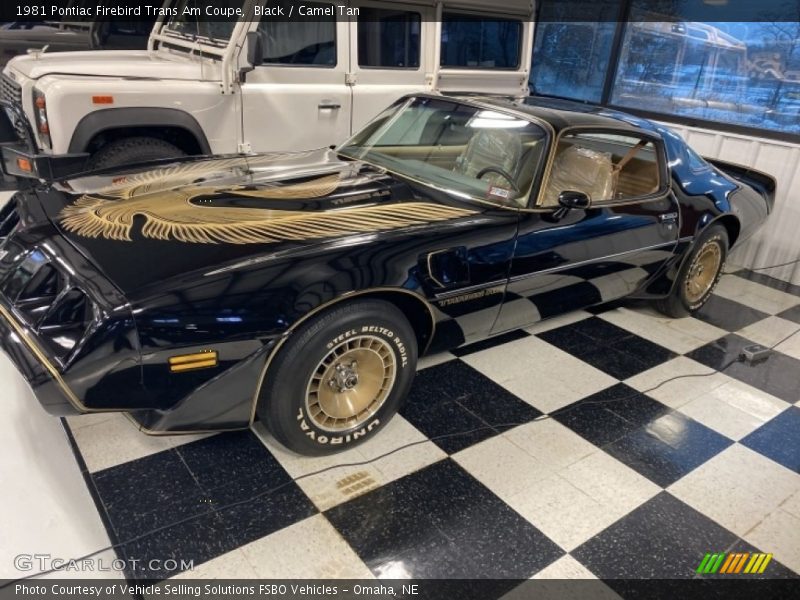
(570, 59)
(300, 42)
(608, 167)
(479, 43)
(685, 61)
(388, 38)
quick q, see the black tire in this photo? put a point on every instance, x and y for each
(682, 301)
(297, 384)
(133, 150)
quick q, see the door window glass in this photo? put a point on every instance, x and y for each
(388, 38)
(300, 42)
(479, 42)
(607, 167)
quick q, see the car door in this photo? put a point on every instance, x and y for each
(465, 271)
(566, 259)
(391, 54)
(466, 277)
(298, 98)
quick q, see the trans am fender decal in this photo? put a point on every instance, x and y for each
(170, 213)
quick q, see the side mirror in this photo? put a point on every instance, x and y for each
(571, 199)
(255, 49)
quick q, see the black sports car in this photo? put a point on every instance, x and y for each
(301, 288)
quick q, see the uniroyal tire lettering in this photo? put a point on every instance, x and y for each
(323, 439)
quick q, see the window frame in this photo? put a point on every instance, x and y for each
(661, 159)
(612, 69)
(478, 16)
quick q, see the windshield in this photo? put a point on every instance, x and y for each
(197, 26)
(469, 151)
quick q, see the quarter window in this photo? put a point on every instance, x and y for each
(608, 167)
(300, 42)
(389, 38)
(480, 43)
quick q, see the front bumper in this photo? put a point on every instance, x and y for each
(45, 381)
(20, 160)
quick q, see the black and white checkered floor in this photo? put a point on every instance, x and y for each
(634, 486)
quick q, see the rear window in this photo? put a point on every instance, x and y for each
(475, 42)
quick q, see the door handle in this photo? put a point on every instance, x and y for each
(329, 105)
(668, 217)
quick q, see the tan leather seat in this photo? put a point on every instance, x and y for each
(581, 170)
(490, 148)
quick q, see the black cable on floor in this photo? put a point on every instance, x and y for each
(786, 264)
(362, 463)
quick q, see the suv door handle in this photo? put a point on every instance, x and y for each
(329, 105)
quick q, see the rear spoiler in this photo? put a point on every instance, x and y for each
(761, 182)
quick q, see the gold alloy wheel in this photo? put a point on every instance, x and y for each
(703, 272)
(351, 383)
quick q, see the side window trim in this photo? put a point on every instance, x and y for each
(661, 163)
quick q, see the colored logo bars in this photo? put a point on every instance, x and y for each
(734, 562)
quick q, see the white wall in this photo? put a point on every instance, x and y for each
(779, 240)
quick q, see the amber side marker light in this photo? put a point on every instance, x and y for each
(190, 362)
(102, 99)
(25, 165)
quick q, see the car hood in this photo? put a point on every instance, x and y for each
(109, 63)
(144, 228)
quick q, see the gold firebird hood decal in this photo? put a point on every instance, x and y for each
(164, 198)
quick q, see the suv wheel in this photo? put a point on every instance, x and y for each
(133, 150)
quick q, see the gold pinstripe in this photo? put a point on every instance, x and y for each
(45, 362)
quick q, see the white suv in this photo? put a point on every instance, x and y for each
(254, 85)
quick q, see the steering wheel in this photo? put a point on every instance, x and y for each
(504, 174)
